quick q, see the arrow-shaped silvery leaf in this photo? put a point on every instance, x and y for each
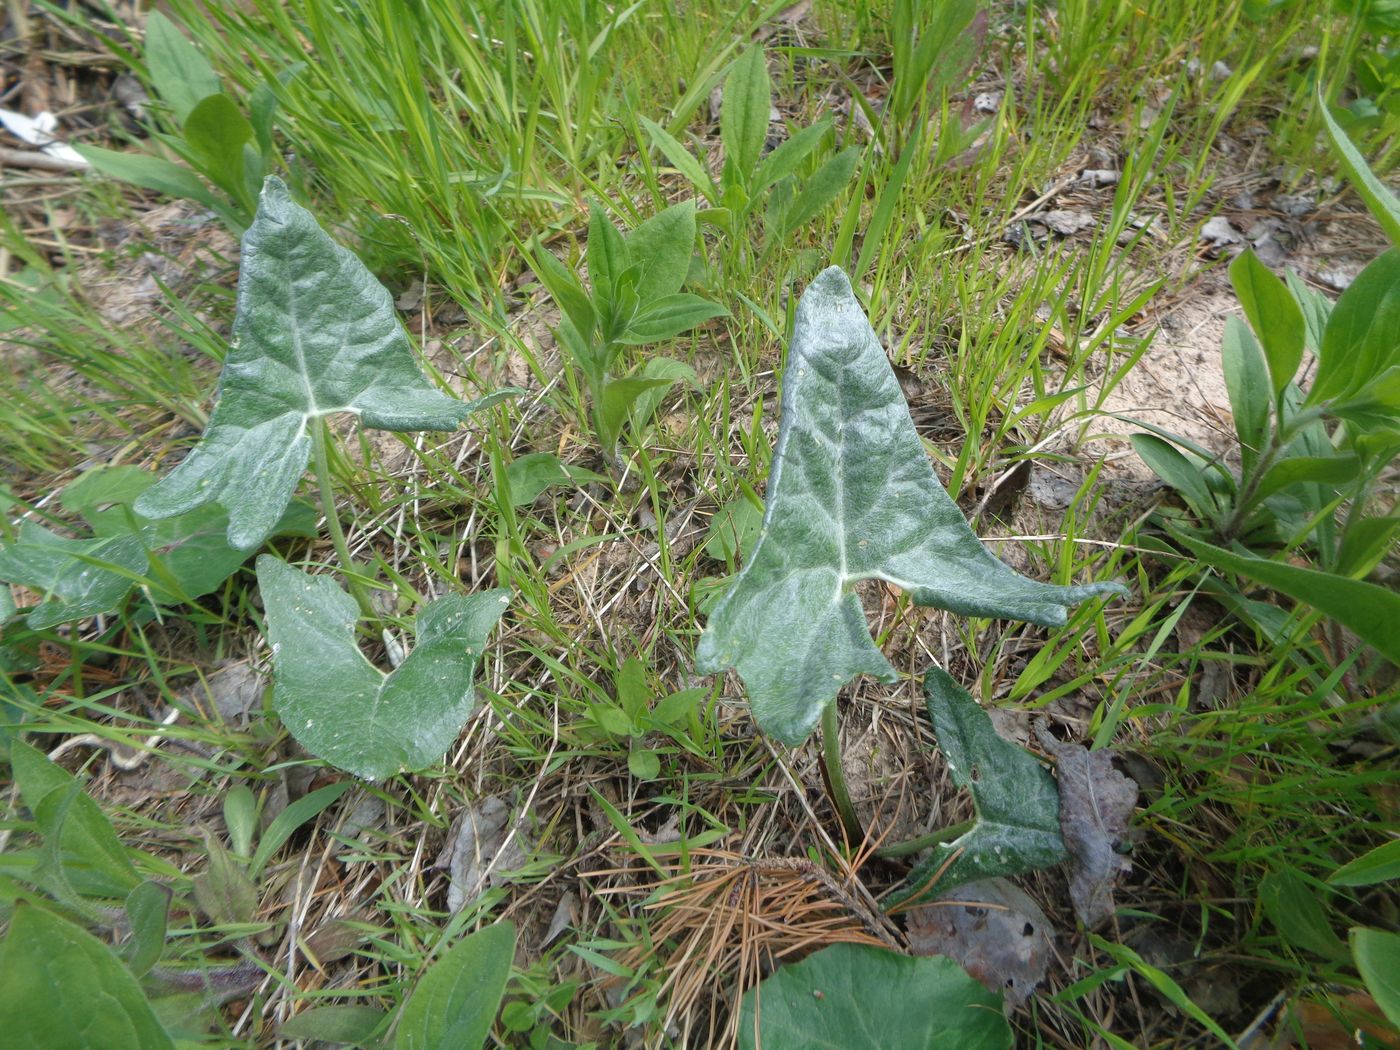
(315, 334)
(1018, 805)
(851, 496)
(78, 578)
(343, 709)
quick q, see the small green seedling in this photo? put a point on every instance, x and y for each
(203, 126)
(635, 299)
(851, 496)
(631, 716)
(749, 180)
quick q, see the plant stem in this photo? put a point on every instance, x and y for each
(836, 776)
(320, 435)
(922, 842)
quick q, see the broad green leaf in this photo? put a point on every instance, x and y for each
(78, 578)
(788, 156)
(1017, 828)
(180, 73)
(743, 118)
(531, 474)
(215, 133)
(565, 290)
(1377, 956)
(615, 405)
(1247, 383)
(63, 989)
(223, 890)
(304, 809)
(856, 995)
(733, 529)
(669, 369)
(1316, 309)
(829, 180)
(1169, 464)
(1273, 313)
(1379, 865)
(456, 1000)
(851, 496)
(1364, 542)
(1371, 611)
(662, 248)
(682, 160)
(147, 907)
(94, 860)
(632, 689)
(189, 553)
(341, 1023)
(314, 335)
(607, 256)
(1360, 341)
(1323, 470)
(1381, 202)
(152, 173)
(668, 317)
(343, 709)
(643, 764)
(1292, 905)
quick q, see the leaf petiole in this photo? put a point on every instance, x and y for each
(320, 461)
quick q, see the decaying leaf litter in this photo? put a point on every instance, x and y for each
(620, 580)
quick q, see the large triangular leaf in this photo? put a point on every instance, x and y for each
(851, 496)
(78, 578)
(850, 995)
(338, 705)
(315, 334)
(1018, 805)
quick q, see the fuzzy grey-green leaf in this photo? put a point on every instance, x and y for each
(343, 709)
(315, 334)
(1018, 805)
(851, 496)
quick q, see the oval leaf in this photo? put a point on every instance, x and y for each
(315, 334)
(851, 496)
(456, 1000)
(852, 995)
(1377, 955)
(66, 990)
(343, 709)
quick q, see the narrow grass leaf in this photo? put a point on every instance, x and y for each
(456, 1000)
(343, 709)
(1381, 202)
(849, 995)
(1017, 828)
(304, 809)
(66, 990)
(851, 496)
(314, 335)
